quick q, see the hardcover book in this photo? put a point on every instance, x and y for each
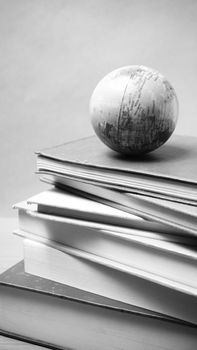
(160, 187)
(65, 203)
(111, 279)
(169, 172)
(176, 217)
(170, 260)
(50, 314)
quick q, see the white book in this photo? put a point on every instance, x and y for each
(176, 217)
(110, 279)
(30, 216)
(169, 260)
(64, 203)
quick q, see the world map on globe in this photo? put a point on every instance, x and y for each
(134, 110)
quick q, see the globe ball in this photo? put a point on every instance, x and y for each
(134, 110)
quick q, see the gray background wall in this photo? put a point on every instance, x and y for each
(54, 52)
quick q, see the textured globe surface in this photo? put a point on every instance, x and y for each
(134, 110)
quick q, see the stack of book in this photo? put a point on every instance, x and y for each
(110, 251)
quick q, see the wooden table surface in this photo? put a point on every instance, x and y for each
(11, 252)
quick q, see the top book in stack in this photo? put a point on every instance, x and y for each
(167, 175)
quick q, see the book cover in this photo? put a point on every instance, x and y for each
(56, 205)
(174, 160)
(171, 260)
(50, 314)
(16, 277)
(70, 204)
(108, 278)
(184, 221)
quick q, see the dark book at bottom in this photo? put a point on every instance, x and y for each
(51, 314)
